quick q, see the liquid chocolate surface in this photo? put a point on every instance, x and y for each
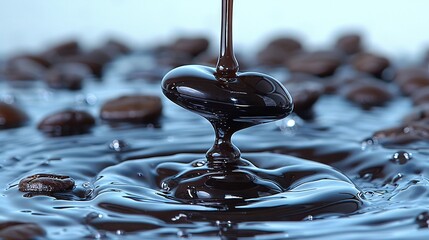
(344, 171)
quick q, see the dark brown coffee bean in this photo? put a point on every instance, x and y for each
(46, 183)
(320, 63)
(67, 76)
(24, 69)
(276, 52)
(132, 109)
(20, 231)
(192, 46)
(90, 61)
(420, 113)
(421, 96)
(367, 93)
(11, 116)
(403, 134)
(411, 80)
(65, 49)
(370, 63)
(65, 123)
(118, 45)
(349, 44)
(173, 59)
(40, 59)
(304, 94)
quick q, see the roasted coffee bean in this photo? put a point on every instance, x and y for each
(89, 60)
(132, 109)
(67, 76)
(20, 231)
(411, 80)
(65, 123)
(349, 44)
(172, 59)
(24, 69)
(370, 63)
(65, 49)
(420, 96)
(192, 46)
(46, 183)
(322, 63)
(118, 45)
(11, 116)
(304, 94)
(40, 59)
(276, 52)
(403, 134)
(367, 93)
(420, 113)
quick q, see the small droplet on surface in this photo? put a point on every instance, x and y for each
(92, 216)
(401, 157)
(396, 178)
(89, 100)
(118, 145)
(179, 217)
(368, 143)
(423, 220)
(183, 234)
(199, 163)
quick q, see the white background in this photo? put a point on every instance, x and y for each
(390, 26)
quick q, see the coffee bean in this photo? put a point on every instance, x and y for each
(40, 59)
(304, 94)
(20, 231)
(321, 63)
(349, 44)
(367, 93)
(403, 134)
(67, 76)
(420, 96)
(118, 45)
(46, 183)
(24, 69)
(65, 123)
(132, 109)
(193, 46)
(276, 52)
(11, 116)
(61, 50)
(370, 63)
(420, 113)
(410, 80)
(173, 59)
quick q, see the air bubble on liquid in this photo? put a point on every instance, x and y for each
(120, 232)
(92, 216)
(86, 184)
(368, 143)
(396, 178)
(118, 145)
(183, 234)
(199, 163)
(289, 124)
(89, 99)
(423, 220)
(367, 176)
(179, 217)
(401, 157)
(164, 187)
(308, 218)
